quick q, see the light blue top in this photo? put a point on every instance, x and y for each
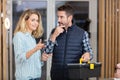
(26, 68)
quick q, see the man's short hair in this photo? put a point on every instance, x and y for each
(67, 8)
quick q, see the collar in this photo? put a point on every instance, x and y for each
(71, 27)
(27, 34)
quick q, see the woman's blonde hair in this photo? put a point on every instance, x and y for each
(22, 27)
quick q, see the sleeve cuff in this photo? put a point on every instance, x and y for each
(50, 46)
(42, 63)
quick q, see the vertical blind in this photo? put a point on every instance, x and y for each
(108, 36)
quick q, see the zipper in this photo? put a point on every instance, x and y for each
(65, 51)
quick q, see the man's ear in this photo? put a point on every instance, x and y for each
(71, 17)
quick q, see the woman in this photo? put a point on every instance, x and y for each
(27, 52)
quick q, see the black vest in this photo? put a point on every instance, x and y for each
(68, 50)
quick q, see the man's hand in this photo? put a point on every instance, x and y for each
(86, 57)
(57, 32)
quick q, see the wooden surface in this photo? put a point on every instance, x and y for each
(109, 40)
(101, 35)
(5, 46)
(0, 45)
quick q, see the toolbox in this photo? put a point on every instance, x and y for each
(77, 71)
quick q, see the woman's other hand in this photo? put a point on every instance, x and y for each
(45, 56)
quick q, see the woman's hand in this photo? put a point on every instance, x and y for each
(40, 45)
(45, 56)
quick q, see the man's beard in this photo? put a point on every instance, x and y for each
(60, 24)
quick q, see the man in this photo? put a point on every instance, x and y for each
(70, 44)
